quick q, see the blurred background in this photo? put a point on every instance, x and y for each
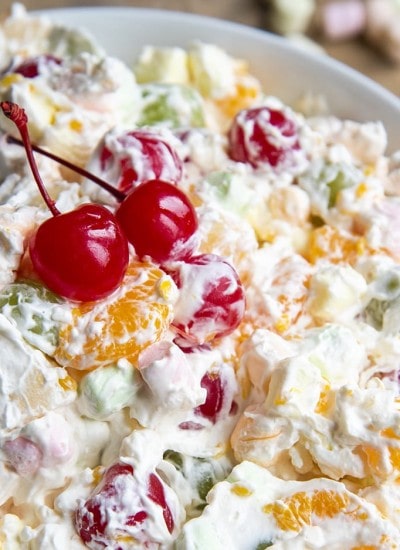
(364, 34)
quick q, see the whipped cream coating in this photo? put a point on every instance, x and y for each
(120, 431)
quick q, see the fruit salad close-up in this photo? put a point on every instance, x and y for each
(199, 305)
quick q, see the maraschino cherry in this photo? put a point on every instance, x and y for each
(118, 509)
(156, 216)
(159, 220)
(81, 255)
(131, 157)
(262, 136)
(31, 67)
(211, 301)
(212, 406)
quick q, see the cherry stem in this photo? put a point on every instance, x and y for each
(19, 117)
(81, 171)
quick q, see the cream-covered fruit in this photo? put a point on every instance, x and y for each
(238, 386)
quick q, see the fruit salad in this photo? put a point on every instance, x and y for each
(199, 306)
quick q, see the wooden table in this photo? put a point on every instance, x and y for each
(355, 53)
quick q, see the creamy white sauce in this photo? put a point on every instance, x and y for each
(303, 449)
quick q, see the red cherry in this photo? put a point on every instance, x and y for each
(91, 518)
(115, 509)
(31, 68)
(261, 136)
(133, 157)
(157, 495)
(215, 397)
(82, 255)
(211, 300)
(157, 217)
(159, 220)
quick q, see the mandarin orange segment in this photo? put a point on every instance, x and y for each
(291, 309)
(291, 514)
(121, 326)
(296, 511)
(374, 459)
(327, 504)
(246, 92)
(390, 433)
(382, 461)
(394, 453)
(289, 289)
(329, 243)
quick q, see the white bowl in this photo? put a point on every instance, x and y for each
(284, 69)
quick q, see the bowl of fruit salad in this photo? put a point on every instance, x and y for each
(199, 289)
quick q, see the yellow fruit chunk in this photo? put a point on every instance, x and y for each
(241, 491)
(75, 125)
(325, 400)
(361, 190)
(121, 326)
(9, 79)
(68, 383)
(236, 244)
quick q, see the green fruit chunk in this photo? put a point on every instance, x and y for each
(175, 106)
(37, 312)
(200, 474)
(324, 182)
(380, 310)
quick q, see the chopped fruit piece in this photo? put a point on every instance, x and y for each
(118, 509)
(262, 136)
(215, 397)
(127, 323)
(31, 67)
(172, 105)
(211, 299)
(133, 157)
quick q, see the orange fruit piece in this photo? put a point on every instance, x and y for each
(121, 326)
(247, 90)
(337, 246)
(294, 512)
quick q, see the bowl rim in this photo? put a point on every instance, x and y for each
(352, 87)
(212, 21)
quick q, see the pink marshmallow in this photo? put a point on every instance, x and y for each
(343, 19)
(24, 456)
